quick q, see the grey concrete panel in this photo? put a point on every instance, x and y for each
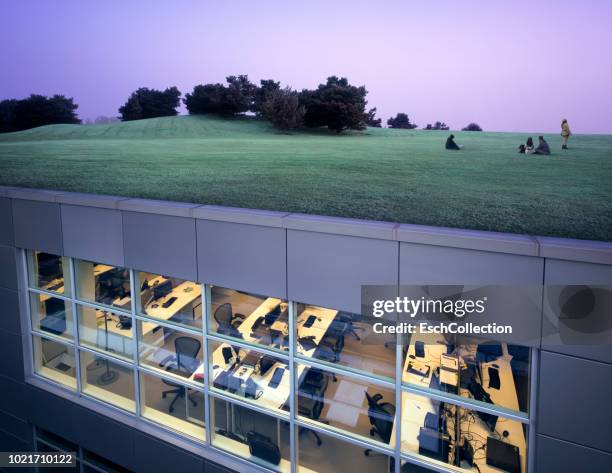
(105, 437)
(52, 413)
(161, 244)
(159, 207)
(154, 456)
(8, 267)
(557, 274)
(15, 426)
(245, 257)
(576, 250)
(265, 218)
(329, 270)
(214, 468)
(574, 396)
(90, 200)
(6, 222)
(93, 234)
(556, 456)
(341, 226)
(37, 226)
(41, 195)
(468, 239)
(12, 398)
(11, 354)
(424, 264)
(9, 311)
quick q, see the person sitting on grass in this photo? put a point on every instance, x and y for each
(529, 147)
(543, 147)
(450, 143)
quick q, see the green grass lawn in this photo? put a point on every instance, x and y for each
(394, 175)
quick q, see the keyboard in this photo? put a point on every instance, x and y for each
(169, 302)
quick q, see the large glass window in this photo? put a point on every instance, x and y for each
(172, 404)
(323, 453)
(103, 284)
(495, 373)
(250, 374)
(107, 380)
(345, 403)
(48, 272)
(346, 339)
(465, 438)
(178, 353)
(257, 437)
(51, 315)
(55, 361)
(172, 352)
(254, 319)
(102, 329)
(170, 299)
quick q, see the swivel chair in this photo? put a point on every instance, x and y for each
(184, 363)
(228, 321)
(382, 416)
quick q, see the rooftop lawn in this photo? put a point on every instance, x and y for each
(380, 174)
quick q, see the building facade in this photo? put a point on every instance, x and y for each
(160, 336)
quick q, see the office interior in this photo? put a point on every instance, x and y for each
(345, 373)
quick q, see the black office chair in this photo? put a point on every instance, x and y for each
(330, 349)
(228, 321)
(184, 363)
(311, 394)
(55, 316)
(382, 416)
(343, 324)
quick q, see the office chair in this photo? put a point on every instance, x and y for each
(310, 399)
(55, 319)
(381, 415)
(184, 363)
(330, 349)
(228, 321)
(343, 324)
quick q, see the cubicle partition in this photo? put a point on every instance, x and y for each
(238, 336)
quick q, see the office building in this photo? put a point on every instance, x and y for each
(157, 336)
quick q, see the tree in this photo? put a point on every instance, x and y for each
(261, 94)
(282, 107)
(401, 120)
(150, 103)
(472, 127)
(437, 126)
(371, 119)
(336, 104)
(236, 97)
(37, 110)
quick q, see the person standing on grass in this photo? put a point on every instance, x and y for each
(565, 133)
(450, 143)
(543, 147)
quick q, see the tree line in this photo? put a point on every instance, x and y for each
(335, 104)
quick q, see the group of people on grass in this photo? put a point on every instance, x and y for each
(529, 147)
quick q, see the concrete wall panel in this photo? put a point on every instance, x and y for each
(244, 257)
(93, 234)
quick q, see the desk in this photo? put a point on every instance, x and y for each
(186, 293)
(274, 398)
(415, 407)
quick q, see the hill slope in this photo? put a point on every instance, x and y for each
(394, 175)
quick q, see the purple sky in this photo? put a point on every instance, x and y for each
(510, 66)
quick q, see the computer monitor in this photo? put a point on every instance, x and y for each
(504, 456)
(434, 444)
(162, 289)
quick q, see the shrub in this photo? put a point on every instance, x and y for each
(401, 120)
(282, 107)
(236, 97)
(150, 103)
(472, 127)
(37, 110)
(336, 104)
(371, 119)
